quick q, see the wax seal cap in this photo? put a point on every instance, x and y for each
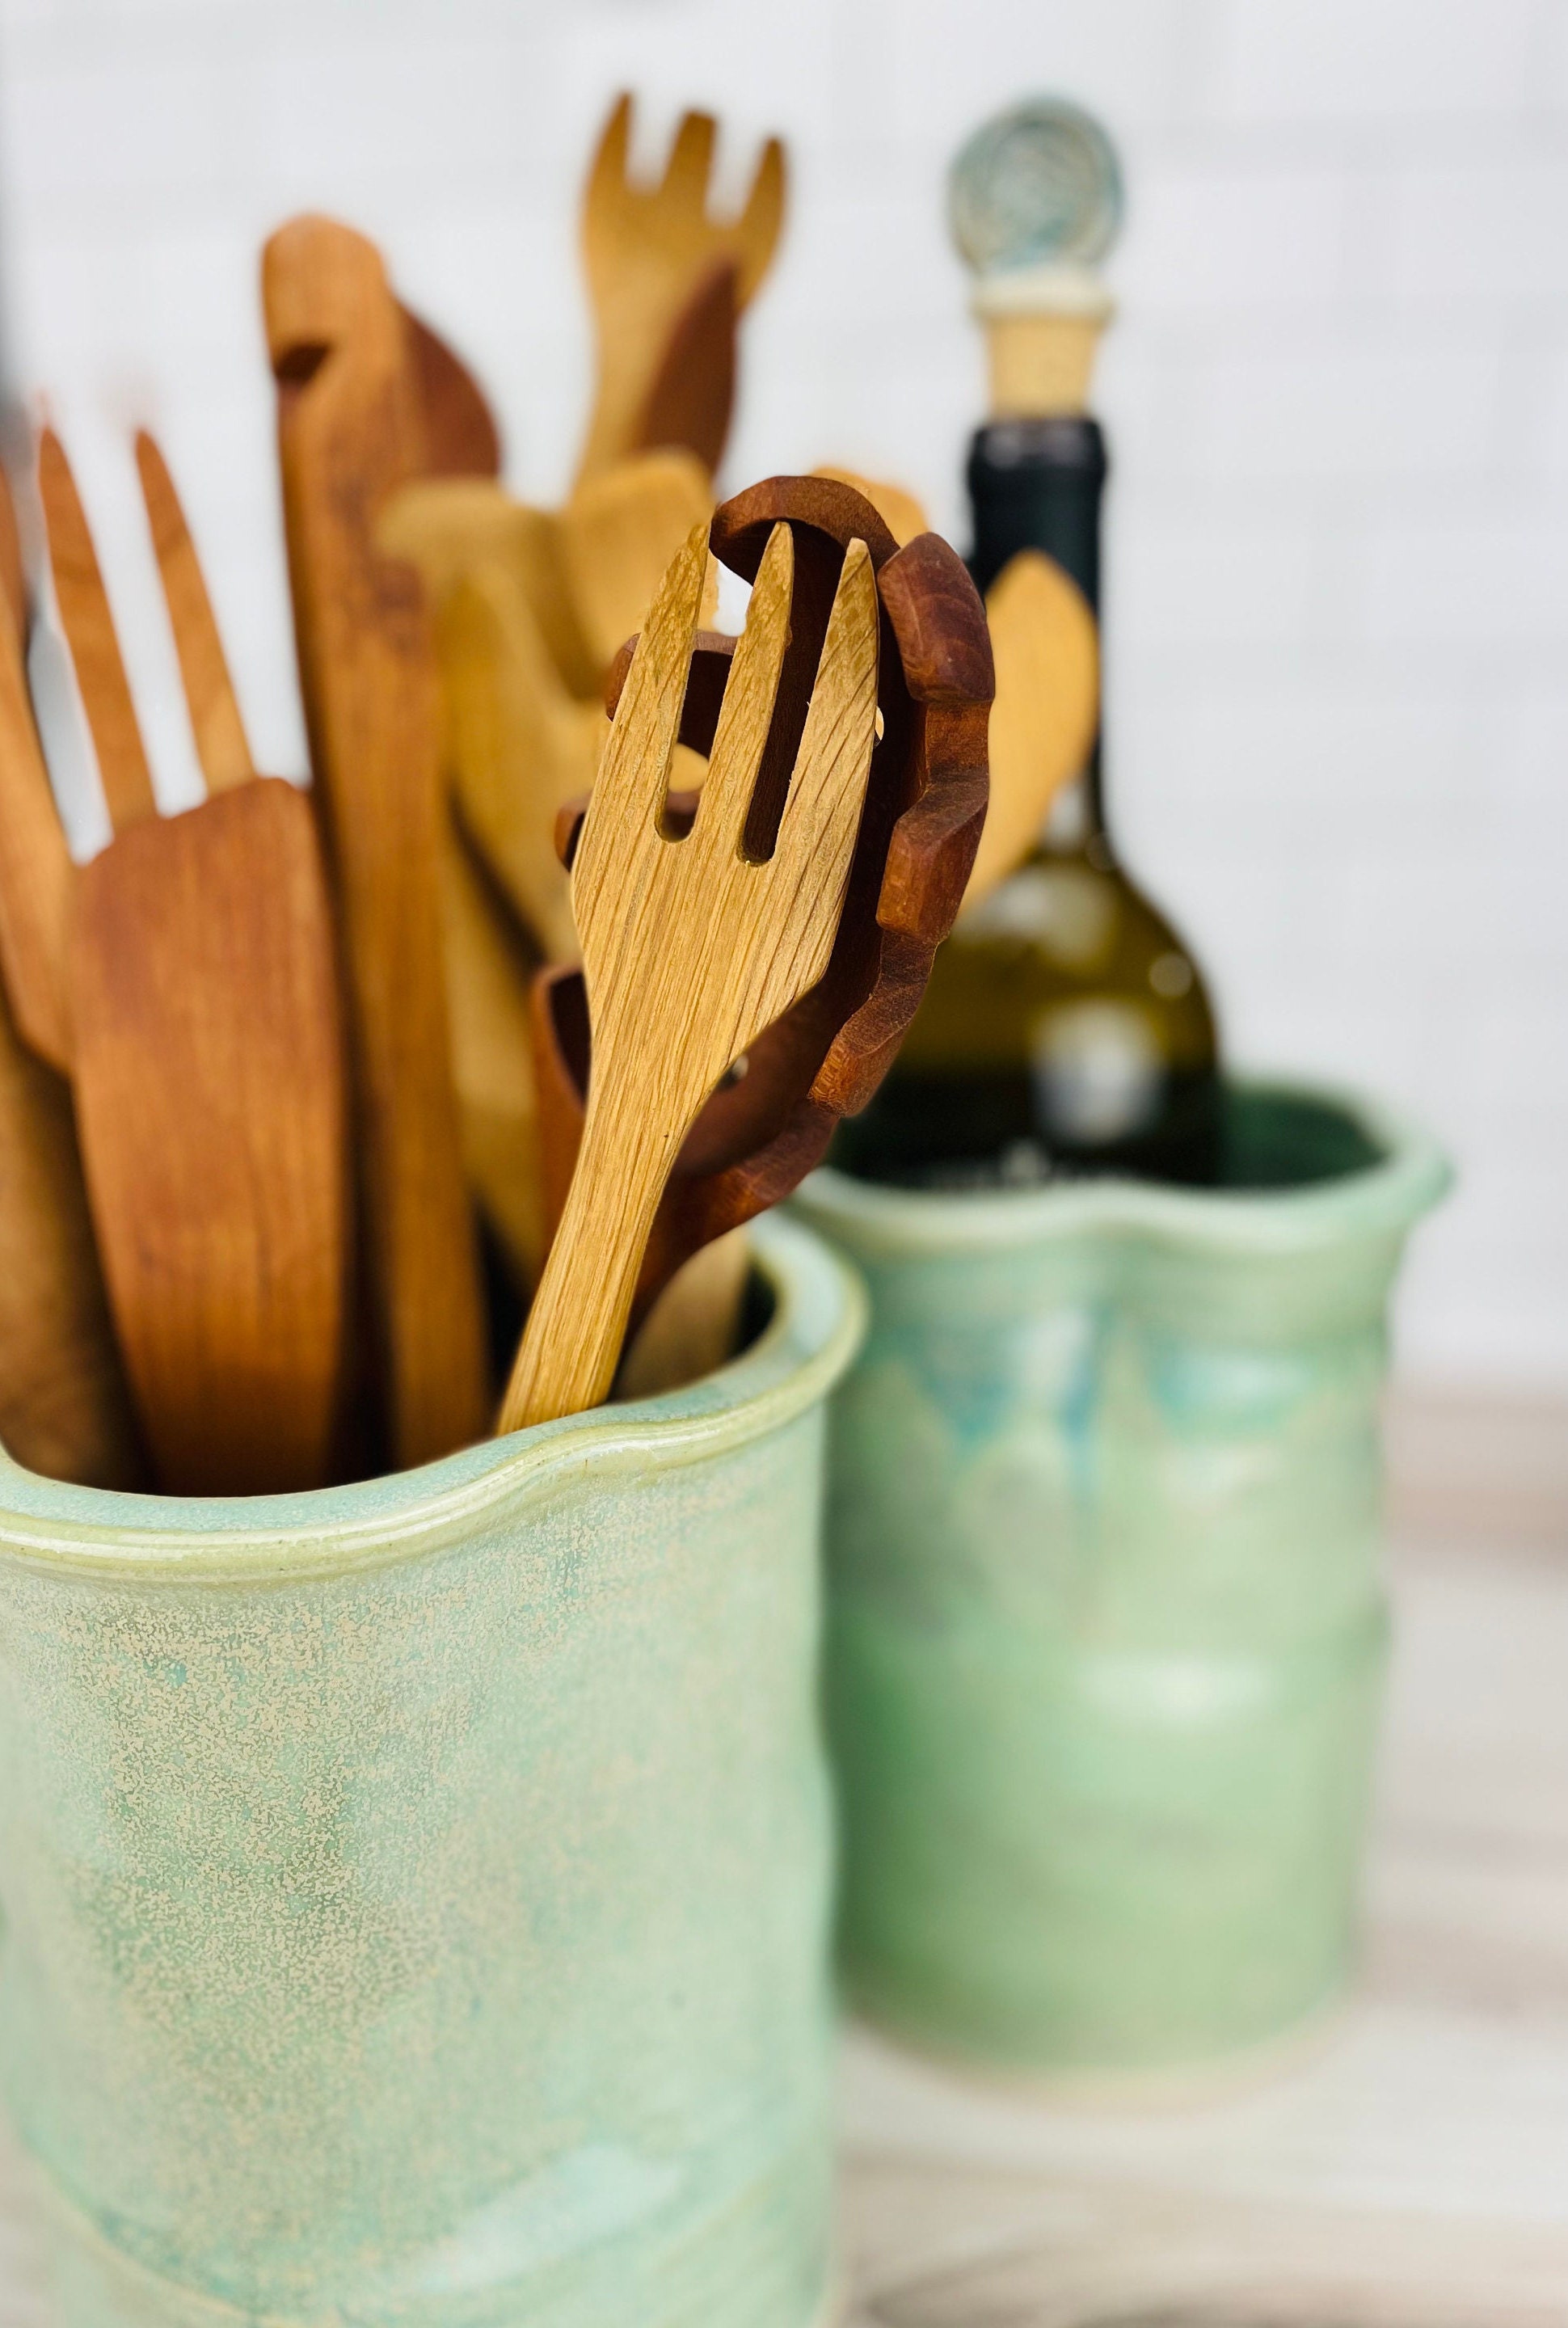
(1035, 203)
(1036, 187)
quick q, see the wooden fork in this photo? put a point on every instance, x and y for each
(669, 283)
(205, 1048)
(691, 946)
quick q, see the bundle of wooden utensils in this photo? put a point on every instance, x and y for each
(296, 1121)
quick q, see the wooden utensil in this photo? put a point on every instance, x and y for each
(693, 946)
(459, 431)
(1046, 649)
(668, 284)
(206, 1051)
(520, 742)
(64, 1408)
(1045, 644)
(757, 1136)
(489, 966)
(351, 429)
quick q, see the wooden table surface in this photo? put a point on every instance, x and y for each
(1409, 2168)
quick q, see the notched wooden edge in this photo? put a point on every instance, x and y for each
(939, 622)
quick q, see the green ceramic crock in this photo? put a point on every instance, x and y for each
(415, 1894)
(1106, 1631)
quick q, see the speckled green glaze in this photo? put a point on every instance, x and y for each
(1106, 1632)
(415, 1895)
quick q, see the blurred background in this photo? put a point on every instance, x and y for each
(1336, 597)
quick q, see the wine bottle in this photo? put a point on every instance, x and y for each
(1067, 1028)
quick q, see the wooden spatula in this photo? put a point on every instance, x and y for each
(757, 1136)
(64, 1408)
(206, 1050)
(693, 946)
(668, 283)
(350, 428)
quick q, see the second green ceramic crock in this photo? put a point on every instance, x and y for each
(1106, 1628)
(414, 1896)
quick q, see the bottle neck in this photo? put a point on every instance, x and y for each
(1038, 483)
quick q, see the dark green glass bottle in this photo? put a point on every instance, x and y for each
(1067, 1028)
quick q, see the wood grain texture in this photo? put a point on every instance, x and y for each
(756, 1139)
(693, 946)
(618, 533)
(691, 396)
(351, 432)
(12, 578)
(521, 747)
(654, 258)
(507, 584)
(36, 875)
(460, 437)
(489, 965)
(694, 1326)
(84, 615)
(1047, 649)
(64, 1406)
(210, 1094)
(222, 746)
(447, 526)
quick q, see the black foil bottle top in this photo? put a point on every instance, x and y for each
(1036, 484)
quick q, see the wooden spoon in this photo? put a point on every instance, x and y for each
(692, 945)
(351, 430)
(757, 1136)
(206, 1050)
(64, 1408)
(668, 283)
(1046, 649)
(1045, 644)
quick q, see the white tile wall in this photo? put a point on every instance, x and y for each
(1337, 608)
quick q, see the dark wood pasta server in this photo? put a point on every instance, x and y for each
(764, 1130)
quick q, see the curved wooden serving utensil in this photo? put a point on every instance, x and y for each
(757, 1137)
(668, 283)
(206, 1051)
(351, 429)
(693, 943)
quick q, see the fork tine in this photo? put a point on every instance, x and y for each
(822, 816)
(746, 711)
(215, 722)
(635, 768)
(606, 185)
(691, 163)
(757, 227)
(84, 612)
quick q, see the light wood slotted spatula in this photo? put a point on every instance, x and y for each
(668, 283)
(206, 1050)
(351, 430)
(64, 1407)
(757, 1136)
(693, 946)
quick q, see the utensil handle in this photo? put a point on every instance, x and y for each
(572, 1342)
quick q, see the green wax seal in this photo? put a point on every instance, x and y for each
(1037, 186)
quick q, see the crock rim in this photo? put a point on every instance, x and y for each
(817, 1324)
